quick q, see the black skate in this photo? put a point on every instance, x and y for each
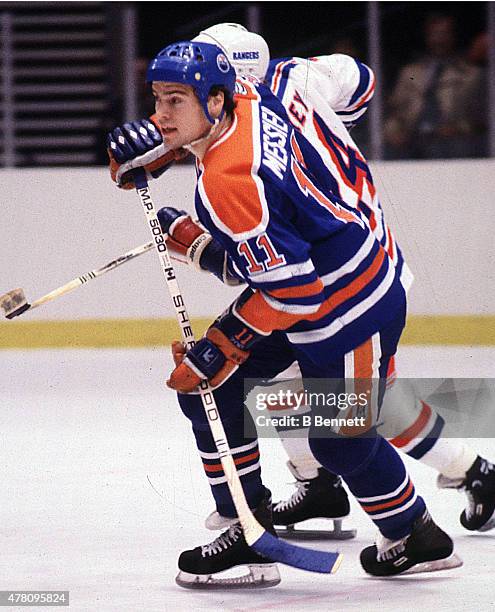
(426, 549)
(199, 568)
(322, 497)
(479, 486)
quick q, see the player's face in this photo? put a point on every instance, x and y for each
(179, 114)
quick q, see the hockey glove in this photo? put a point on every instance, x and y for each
(225, 346)
(189, 242)
(138, 144)
(186, 238)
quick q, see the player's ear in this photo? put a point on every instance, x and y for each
(215, 103)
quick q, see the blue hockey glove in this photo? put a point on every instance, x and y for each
(138, 144)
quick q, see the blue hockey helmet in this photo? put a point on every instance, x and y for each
(201, 65)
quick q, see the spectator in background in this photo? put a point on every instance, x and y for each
(345, 45)
(478, 50)
(477, 55)
(436, 108)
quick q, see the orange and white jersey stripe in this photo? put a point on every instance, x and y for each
(235, 157)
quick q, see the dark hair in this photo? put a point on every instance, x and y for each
(228, 99)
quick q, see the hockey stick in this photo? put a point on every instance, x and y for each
(14, 303)
(256, 536)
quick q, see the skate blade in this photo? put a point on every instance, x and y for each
(293, 532)
(260, 576)
(487, 526)
(490, 524)
(435, 566)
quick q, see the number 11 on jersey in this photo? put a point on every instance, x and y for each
(266, 259)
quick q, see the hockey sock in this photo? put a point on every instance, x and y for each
(295, 441)
(244, 450)
(301, 457)
(421, 440)
(451, 457)
(247, 460)
(377, 477)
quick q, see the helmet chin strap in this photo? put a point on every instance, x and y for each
(202, 138)
(210, 131)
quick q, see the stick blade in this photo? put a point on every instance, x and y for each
(296, 556)
(14, 303)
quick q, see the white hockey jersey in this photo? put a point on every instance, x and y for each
(323, 97)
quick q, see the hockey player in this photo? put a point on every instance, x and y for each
(324, 97)
(339, 89)
(321, 289)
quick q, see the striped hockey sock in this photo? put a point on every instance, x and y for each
(386, 493)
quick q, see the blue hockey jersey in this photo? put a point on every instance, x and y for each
(317, 269)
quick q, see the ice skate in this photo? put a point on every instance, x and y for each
(479, 486)
(426, 549)
(203, 567)
(322, 497)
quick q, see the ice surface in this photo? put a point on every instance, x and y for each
(101, 488)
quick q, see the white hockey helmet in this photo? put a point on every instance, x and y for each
(247, 52)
